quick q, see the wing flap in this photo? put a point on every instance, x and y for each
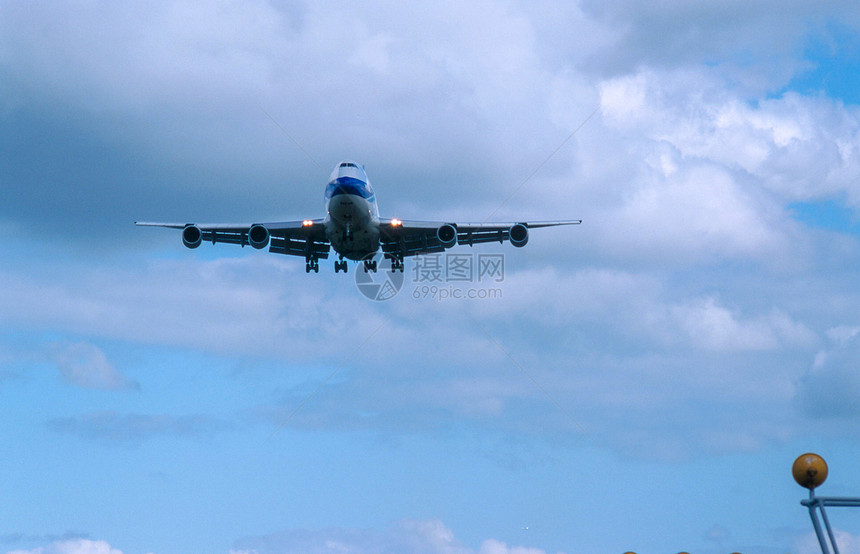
(412, 244)
(239, 237)
(299, 247)
(482, 235)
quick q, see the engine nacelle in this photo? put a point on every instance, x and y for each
(519, 235)
(447, 235)
(192, 236)
(258, 236)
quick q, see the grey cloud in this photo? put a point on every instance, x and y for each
(832, 393)
(168, 125)
(830, 389)
(167, 122)
(679, 33)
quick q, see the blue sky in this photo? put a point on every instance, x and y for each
(642, 382)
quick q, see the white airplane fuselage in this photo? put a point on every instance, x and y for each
(352, 216)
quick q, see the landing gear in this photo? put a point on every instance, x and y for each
(396, 262)
(340, 266)
(370, 265)
(312, 264)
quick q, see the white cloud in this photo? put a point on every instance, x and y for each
(640, 306)
(625, 345)
(846, 542)
(254, 305)
(429, 536)
(798, 146)
(74, 546)
(843, 334)
(493, 546)
(700, 213)
(85, 365)
(373, 53)
(714, 327)
(706, 172)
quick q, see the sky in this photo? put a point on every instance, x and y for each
(642, 382)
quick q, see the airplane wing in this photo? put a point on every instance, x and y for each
(412, 238)
(296, 238)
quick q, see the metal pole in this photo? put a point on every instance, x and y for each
(829, 530)
(817, 527)
(810, 470)
(811, 504)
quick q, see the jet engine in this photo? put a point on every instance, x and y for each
(258, 236)
(192, 236)
(447, 235)
(519, 235)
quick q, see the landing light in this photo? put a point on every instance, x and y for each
(307, 223)
(396, 223)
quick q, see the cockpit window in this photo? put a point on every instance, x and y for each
(348, 164)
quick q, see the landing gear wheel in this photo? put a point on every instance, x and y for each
(396, 262)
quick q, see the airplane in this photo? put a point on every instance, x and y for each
(353, 228)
